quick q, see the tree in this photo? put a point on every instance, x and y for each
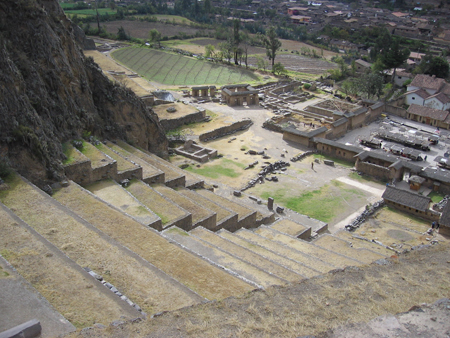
(394, 57)
(207, 6)
(372, 85)
(121, 34)
(278, 69)
(245, 39)
(272, 44)
(226, 50)
(261, 63)
(154, 36)
(433, 66)
(210, 51)
(236, 39)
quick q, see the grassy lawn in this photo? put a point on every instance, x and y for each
(221, 167)
(436, 196)
(175, 69)
(323, 204)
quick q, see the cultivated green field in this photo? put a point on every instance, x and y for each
(174, 69)
(89, 12)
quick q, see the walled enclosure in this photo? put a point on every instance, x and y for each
(237, 95)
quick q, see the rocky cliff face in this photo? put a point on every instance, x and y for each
(51, 93)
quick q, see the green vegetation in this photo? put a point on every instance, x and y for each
(436, 196)
(175, 69)
(68, 151)
(323, 204)
(174, 230)
(90, 12)
(338, 161)
(224, 168)
(364, 178)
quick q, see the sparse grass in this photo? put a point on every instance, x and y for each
(223, 167)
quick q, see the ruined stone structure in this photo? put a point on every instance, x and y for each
(202, 91)
(195, 152)
(237, 95)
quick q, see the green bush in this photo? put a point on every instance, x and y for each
(307, 86)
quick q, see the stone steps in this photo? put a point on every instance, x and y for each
(93, 249)
(359, 243)
(292, 228)
(173, 178)
(114, 194)
(246, 216)
(65, 285)
(343, 247)
(291, 264)
(225, 218)
(200, 216)
(150, 174)
(246, 255)
(331, 257)
(285, 251)
(170, 213)
(222, 259)
(195, 273)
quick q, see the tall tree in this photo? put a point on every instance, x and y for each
(371, 84)
(433, 65)
(236, 39)
(394, 57)
(207, 6)
(272, 44)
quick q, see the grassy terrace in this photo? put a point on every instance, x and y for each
(198, 212)
(147, 169)
(239, 209)
(289, 227)
(61, 284)
(175, 69)
(307, 248)
(167, 211)
(220, 167)
(72, 154)
(289, 263)
(98, 159)
(79, 242)
(221, 212)
(342, 247)
(188, 269)
(309, 261)
(113, 193)
(122, 164)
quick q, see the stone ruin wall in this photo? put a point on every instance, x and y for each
(170, 124)
(224, 131)
(374, 170)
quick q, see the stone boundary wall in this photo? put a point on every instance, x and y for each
(248, 221)
(170, 124)
(183, 222)
(108, 170)
(319, 110)
(208, 222)
(229, 223)
(224, 131)
(398, 111)
(286, 88)
(176, 182)
(129, 174)
(428, 214)
(79, 172)
(374, 170)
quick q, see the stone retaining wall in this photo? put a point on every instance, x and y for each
(374, 170)
(79, 172)
(109, 170)
(224, 131)
(229, 223)
(170, 124)
(128, 174)
(248, 222)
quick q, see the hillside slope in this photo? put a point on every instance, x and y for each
(50, 93)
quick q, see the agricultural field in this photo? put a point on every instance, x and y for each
(140, 29)
(89, 12)
(174, 69)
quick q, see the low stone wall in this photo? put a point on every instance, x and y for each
(224, 131)
(248, 221)
(176, 182)
(170, 124)
(129, 174)
(79, 172)
(374, 170)
(208, 222)
(229, 223)
(109, 170)
(183, 222)
(319, 111)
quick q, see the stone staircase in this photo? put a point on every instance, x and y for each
(158, 241)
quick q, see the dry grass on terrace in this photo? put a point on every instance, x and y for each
(311, 306)
(198, 275)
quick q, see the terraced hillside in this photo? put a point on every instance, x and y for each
(157, 247)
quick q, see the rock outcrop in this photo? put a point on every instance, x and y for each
(50, 93)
